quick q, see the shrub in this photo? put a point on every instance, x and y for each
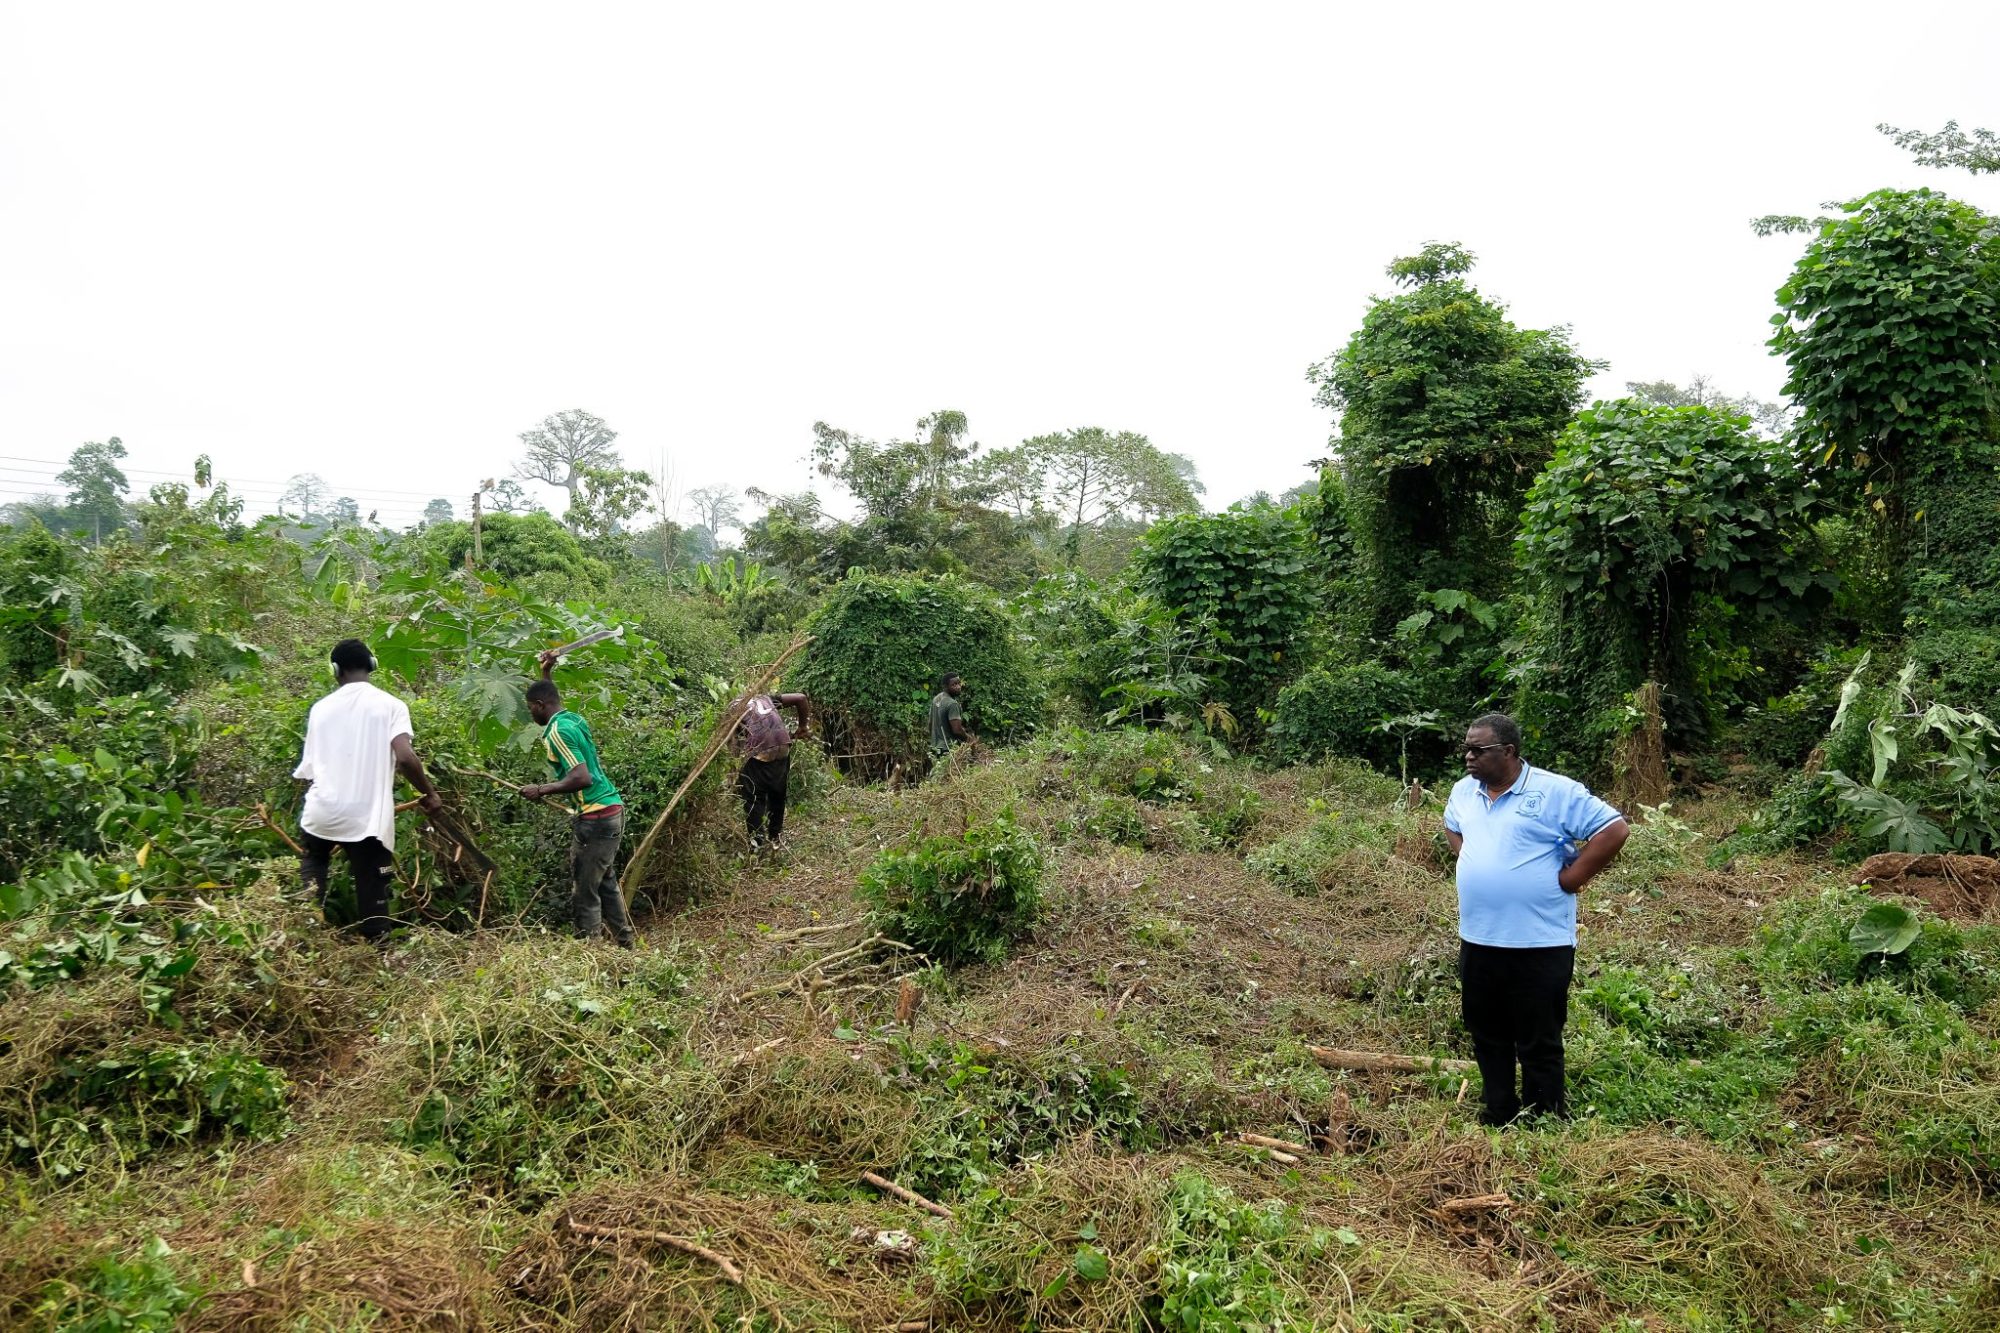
(960, 899)
(516, 547)
(1339, 710)
(1065, 618)
(881, 644)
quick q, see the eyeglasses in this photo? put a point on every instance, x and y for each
(1474, 751)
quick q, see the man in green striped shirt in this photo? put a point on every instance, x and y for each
(597, 811)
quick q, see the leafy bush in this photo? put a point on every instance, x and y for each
(516, 547)
(882, 644)
(960, 899)
(1340, 710)
(142, 1294)
(1221, 1259)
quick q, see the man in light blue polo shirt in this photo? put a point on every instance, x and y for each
(1527, 840)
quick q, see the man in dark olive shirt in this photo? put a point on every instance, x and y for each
(948, 717)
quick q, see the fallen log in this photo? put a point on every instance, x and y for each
(730, 1272)
(1334, 1057)
(911, 1197)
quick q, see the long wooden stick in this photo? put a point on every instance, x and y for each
(730, 1272)
(1333, 1057)
(635, 868)
(911, 1197)
(265, 815)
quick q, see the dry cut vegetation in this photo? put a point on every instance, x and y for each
(780, 1115)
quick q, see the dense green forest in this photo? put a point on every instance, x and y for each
(1050, 984)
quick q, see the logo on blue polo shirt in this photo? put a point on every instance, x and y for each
(1531, 804)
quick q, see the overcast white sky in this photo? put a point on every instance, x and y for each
(378, 241)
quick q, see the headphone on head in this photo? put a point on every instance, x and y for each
(333, 668)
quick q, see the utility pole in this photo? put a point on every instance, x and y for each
(473, 560)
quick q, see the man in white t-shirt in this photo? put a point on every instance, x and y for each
(357, 739)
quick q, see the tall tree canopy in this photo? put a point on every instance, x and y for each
(1088, 479)
(564, 447)
(97, 487)
(1447, 411)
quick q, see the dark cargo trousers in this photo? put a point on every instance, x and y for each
(374, 868)
(595, 901)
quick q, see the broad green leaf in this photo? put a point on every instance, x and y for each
(1885, 928)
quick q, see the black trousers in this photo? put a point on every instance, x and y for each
(373, 869)
(763, 783)
(1515, 1002)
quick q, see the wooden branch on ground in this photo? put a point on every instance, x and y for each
(1278, 1155)
(747, 1056)
(1478, 1203)
(911, 1197)
(265, 815)
(730, 1272)
(806, 932)
(734, 719)
(1279, 1145)
(1333, 1057)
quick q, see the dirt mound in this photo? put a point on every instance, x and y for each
(1965, 888)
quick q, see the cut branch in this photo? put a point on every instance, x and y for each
(911, 1197)
(730, 1272)
(1478, 1203)
(1280, 1145)
(1334, 1057)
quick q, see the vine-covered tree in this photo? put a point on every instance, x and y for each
(1246, 575)
(1890, 324)
(1651, 527)
(1447, 410)
(564, 447)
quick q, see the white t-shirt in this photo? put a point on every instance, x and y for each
(350, 765)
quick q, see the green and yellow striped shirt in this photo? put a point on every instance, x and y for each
(566, 743)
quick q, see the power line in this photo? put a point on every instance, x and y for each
(59, 465)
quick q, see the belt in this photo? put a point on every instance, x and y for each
(605, 813)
